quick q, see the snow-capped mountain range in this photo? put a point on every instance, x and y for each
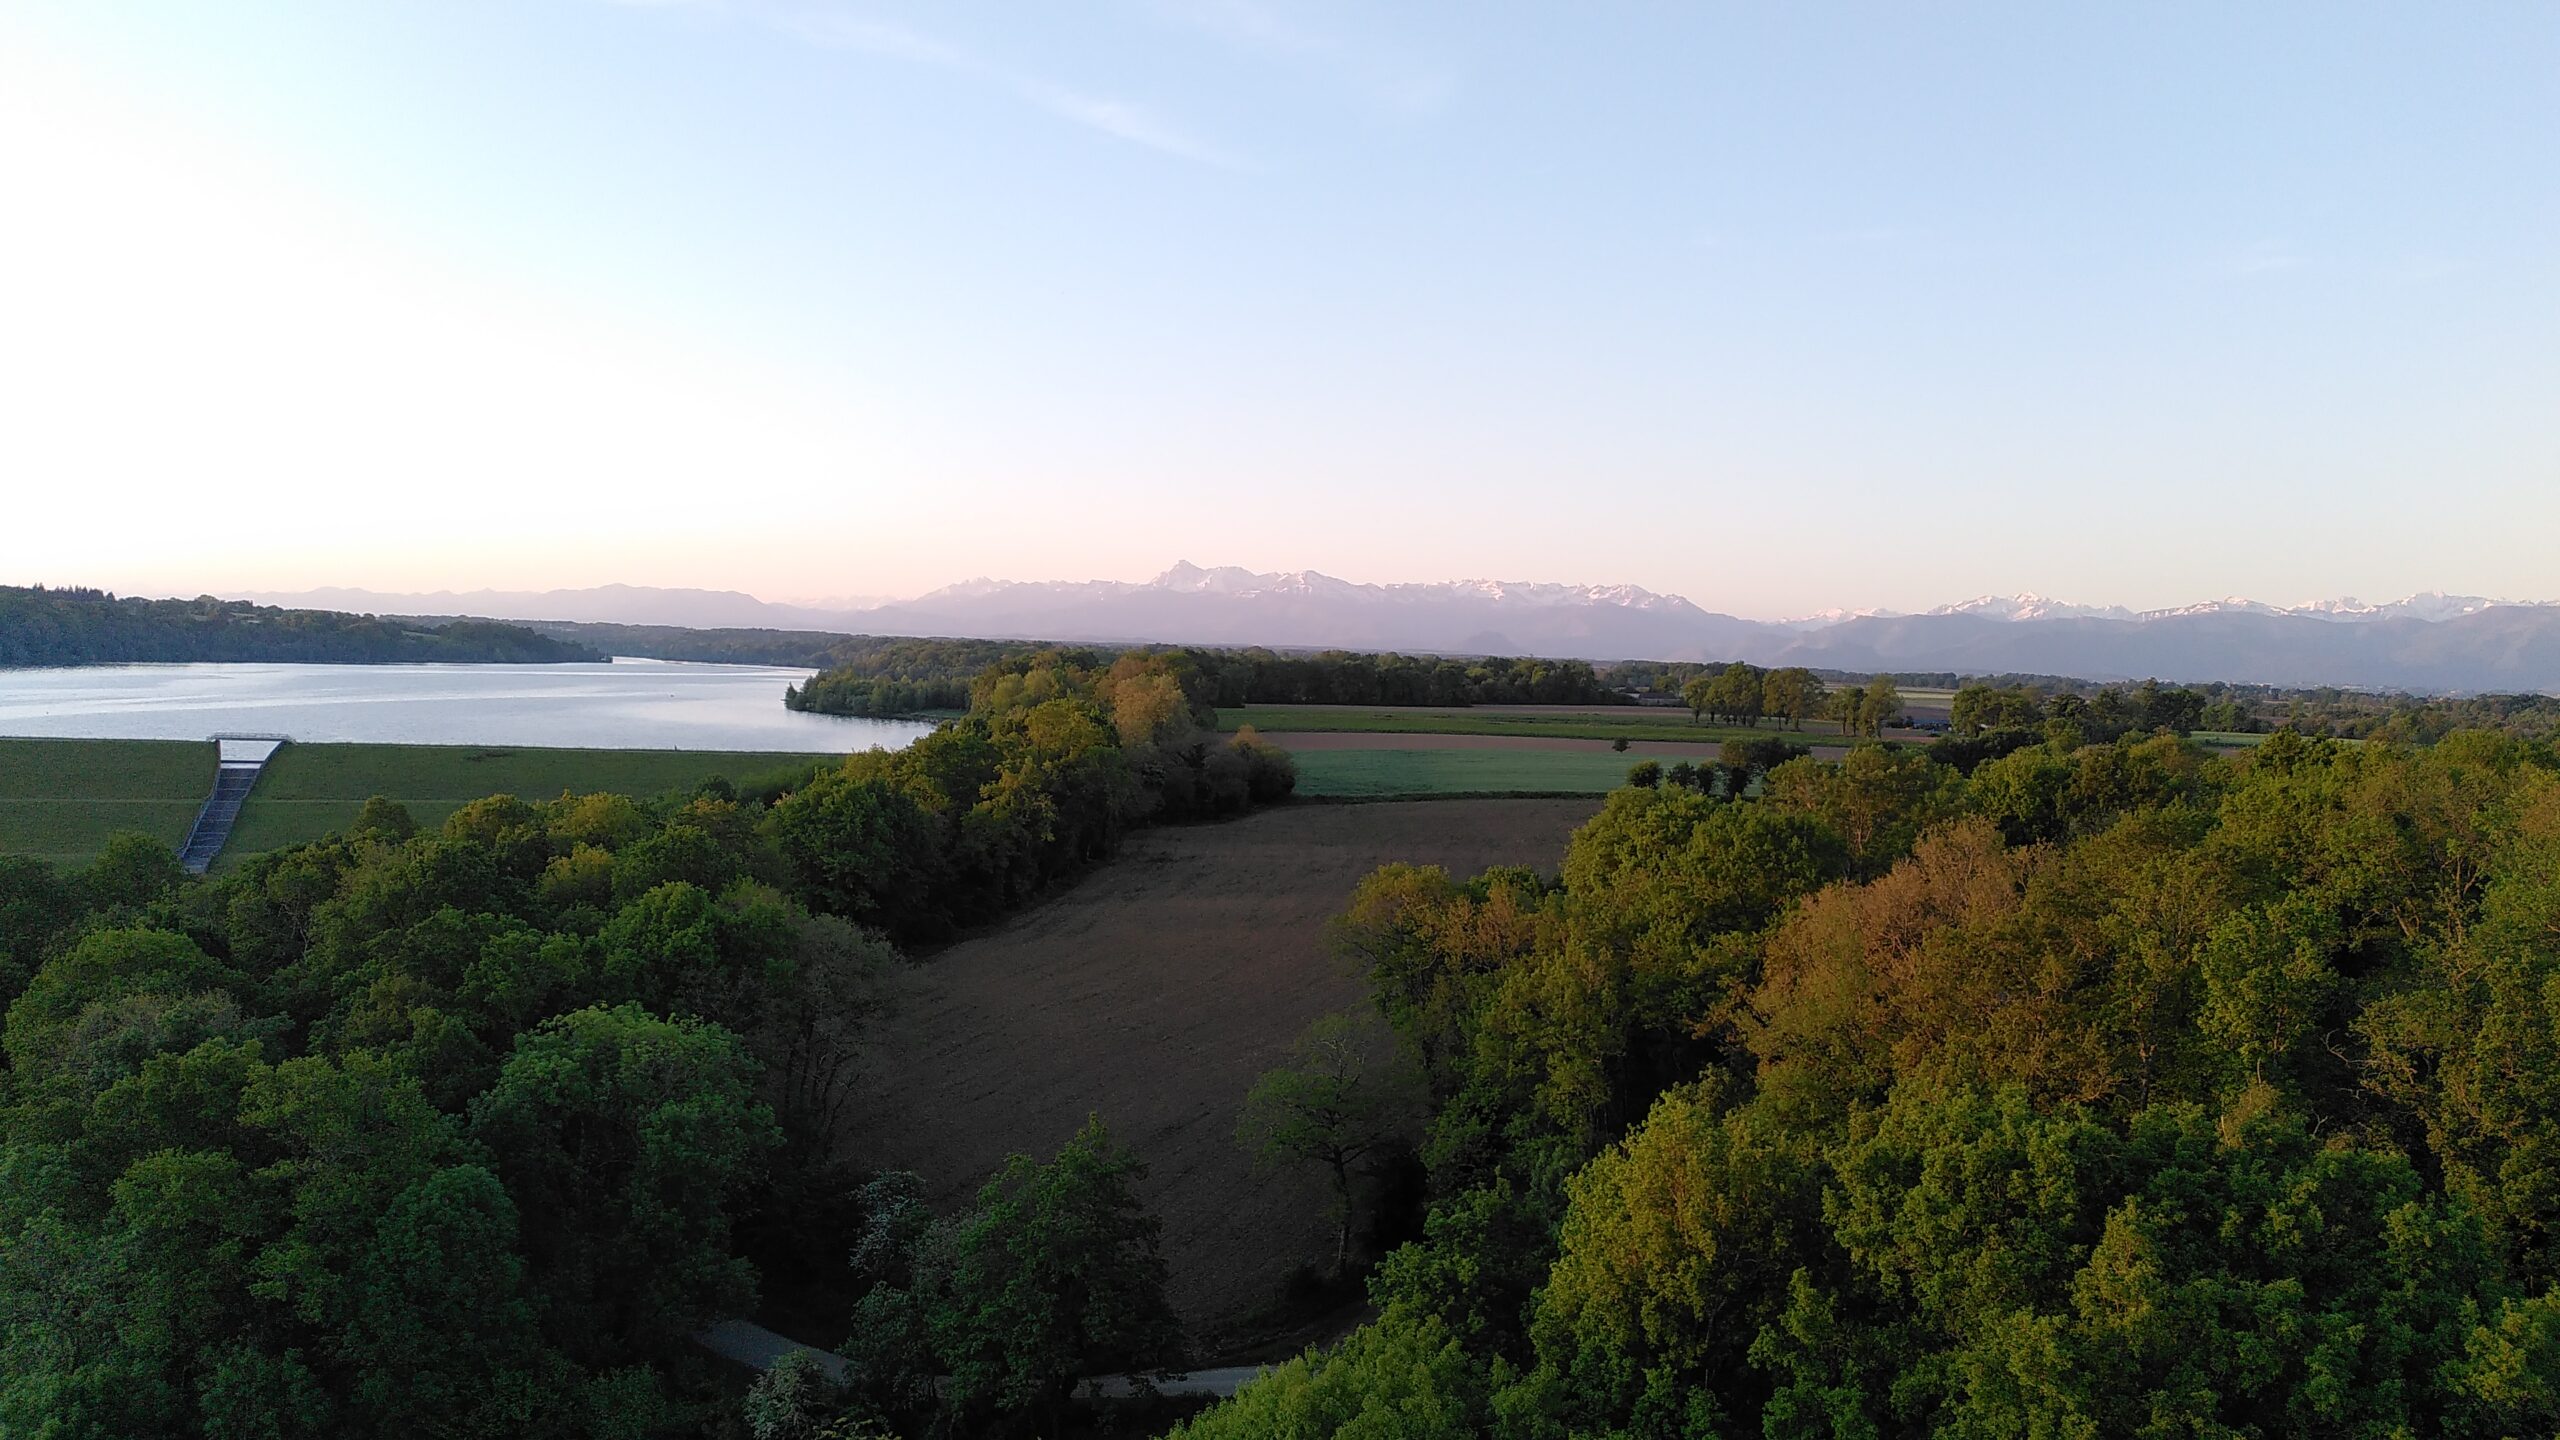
(2429, 605)
(1235, 582)
(2427, 641)
(1307, 609)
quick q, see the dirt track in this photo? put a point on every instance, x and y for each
(1154, 992)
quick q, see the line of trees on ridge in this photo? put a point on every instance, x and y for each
(894, 677)
(39, 626)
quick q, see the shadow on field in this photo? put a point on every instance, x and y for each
(1154, 992)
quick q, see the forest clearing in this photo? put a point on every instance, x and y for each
(1153, 992)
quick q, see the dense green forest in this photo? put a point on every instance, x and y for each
(463, 1133)
(2418, 719)
(890, 677)
(1340, 677)
(91, 627)
(883, 676)
(869, 675)
(2105, 711)
(811, 649)
(2112, 1090)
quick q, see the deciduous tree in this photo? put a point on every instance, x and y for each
(628, 1142)
(1054, 1274)
(1336, 1103)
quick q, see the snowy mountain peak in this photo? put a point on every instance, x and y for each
(970, 588)
(1505, 605)
(1531, 592)
(2227, 605)
(2031, 606)
(1821, 619)
(1222, 580)
(1235, 581)
(2429, 606)
(2426, 605)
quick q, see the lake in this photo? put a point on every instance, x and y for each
(626, 705)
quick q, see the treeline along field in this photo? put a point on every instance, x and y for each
(888, 677)
(91, 627)
(812, 649)
(876, 676)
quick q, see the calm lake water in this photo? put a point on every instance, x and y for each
(627, 705)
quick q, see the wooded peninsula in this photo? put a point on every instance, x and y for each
(40, 626)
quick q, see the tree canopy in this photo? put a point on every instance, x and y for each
(91, 627)
(2116, 1089)
(465, 1130)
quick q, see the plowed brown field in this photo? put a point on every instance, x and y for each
(1153, 992)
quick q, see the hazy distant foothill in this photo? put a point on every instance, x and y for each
(2427, 642)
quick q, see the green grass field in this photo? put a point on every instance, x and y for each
(1385, 774)
(61, 799)
(1633, 723)
(310, 790)
(2228, 739)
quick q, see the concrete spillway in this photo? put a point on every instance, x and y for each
(235, 774)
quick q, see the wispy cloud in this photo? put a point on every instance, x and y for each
(1123, 120)
(1390, 80)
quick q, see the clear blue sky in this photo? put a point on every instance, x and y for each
(1776, 306)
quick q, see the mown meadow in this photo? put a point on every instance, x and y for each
(1393, 774)
(60, 800)
(1629, 723)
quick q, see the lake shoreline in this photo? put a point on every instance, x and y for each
(623, 703)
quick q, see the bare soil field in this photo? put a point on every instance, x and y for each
(1153, 993)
